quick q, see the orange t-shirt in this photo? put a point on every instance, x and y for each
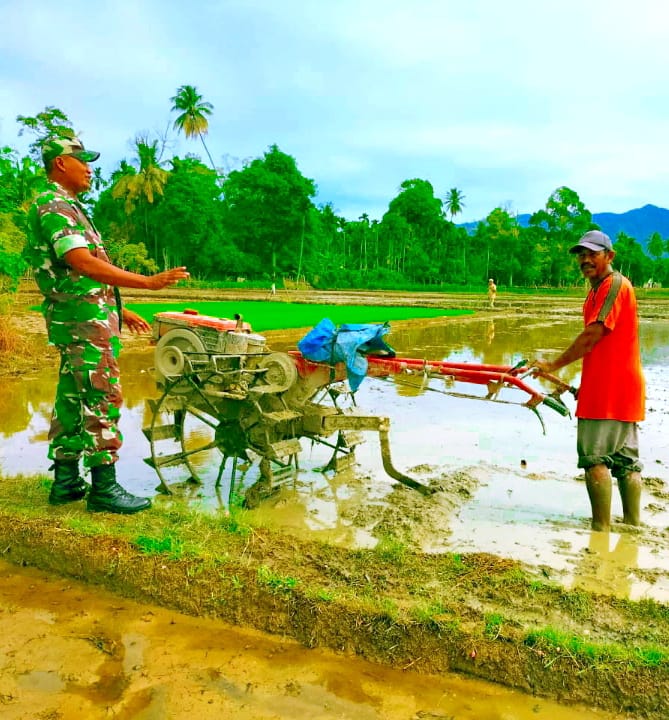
(612, 382)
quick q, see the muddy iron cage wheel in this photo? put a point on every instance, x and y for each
(187, 430)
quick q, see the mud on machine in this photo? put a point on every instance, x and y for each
(224, 395)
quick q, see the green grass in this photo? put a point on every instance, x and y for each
(279, 316)
(554, 643)
(391, 549)
(277, 583)
(168, 545)
(578, 604)
(493, 626)
(431, 612)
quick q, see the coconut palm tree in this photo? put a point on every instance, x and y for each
(193, 118)
(454, 205)
(144, 184)
(454, 202)
(140, 188)
(656, 246)
(98, 182)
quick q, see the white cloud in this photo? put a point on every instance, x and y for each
(505, 100)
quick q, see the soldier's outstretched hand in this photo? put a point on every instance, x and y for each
(167, 278)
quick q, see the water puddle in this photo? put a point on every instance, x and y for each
(110, 657)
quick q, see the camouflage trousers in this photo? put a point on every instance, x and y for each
(87, 406)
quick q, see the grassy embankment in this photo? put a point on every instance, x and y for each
(473, 288)
(475, 613)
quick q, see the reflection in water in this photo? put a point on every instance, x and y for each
(654, 339)
(22, 399)
(95, 657)
(504, 341)
(138, 382)
(608, 564)
(25, 416)
(410, 385)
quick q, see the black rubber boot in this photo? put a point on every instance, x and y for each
(107, 495)
(67, 484)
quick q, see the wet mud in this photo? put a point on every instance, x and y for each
(68, 652)
(511, 489)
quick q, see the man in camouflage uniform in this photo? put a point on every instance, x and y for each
(83, 321)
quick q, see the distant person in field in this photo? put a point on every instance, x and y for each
(83, 313)
(492, 293)
(611, 399)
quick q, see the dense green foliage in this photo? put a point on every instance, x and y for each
(260, 222)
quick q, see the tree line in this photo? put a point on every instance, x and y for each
(260, 221)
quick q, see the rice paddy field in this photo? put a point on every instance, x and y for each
(265, 316)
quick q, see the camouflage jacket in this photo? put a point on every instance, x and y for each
(75, 307)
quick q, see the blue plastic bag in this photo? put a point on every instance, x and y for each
(347, 344)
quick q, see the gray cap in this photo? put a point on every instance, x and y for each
(593, 240)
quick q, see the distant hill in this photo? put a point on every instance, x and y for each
(639, 224)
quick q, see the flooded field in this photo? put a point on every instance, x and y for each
(511, 490)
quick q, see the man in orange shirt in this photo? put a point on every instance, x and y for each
(611, 399)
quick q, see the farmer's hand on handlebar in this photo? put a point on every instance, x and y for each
(545, 366)
(167, 277)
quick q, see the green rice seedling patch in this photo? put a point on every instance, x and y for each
(282, 316)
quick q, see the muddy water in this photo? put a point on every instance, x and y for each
(69, 652)
(511, 489)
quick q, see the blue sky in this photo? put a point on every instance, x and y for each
(504, 100)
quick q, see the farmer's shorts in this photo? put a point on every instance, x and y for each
(608, 442)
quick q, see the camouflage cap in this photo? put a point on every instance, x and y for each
(55, 146)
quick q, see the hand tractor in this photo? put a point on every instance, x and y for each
(226, 395)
